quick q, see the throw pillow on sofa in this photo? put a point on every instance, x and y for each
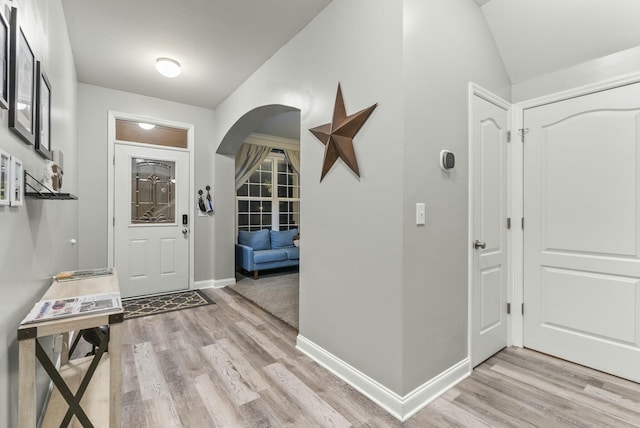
(282, 238)
(258, 240)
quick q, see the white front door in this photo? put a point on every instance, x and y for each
(582, 230)
(489, 228)
(151, 243)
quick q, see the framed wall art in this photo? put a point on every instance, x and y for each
(21, 83)
(43, 113)
(16, 183)
(4, 62)
(5, 171)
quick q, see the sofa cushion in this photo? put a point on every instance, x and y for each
(258, 240)
(292, 253)
(282, 238)
(267, 256)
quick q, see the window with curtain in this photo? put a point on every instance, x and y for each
(270, 197)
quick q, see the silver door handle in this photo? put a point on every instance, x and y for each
(479, 244)
(185, 231)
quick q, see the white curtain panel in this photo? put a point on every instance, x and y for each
(294, 158)
(248, 159)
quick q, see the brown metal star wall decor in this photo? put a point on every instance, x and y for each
(338, 135)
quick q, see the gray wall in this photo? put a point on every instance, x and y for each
(351, 255)
(225, 215)
(447, 44)
(94, 103)
(35, 237)
(597, 70)
(381, 294)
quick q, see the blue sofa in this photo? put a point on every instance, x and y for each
(266, 249)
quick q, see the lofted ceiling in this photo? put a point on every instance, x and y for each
(219, 43)
(538, 37)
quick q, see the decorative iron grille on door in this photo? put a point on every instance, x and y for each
(153, 191)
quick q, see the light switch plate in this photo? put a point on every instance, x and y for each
(420, 213)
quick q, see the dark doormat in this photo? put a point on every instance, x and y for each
(153, 305)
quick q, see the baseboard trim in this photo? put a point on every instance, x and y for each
(215, 283)
(376, 392)
(402, 408)
(435, 387)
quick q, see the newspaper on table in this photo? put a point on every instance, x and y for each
(47, 310)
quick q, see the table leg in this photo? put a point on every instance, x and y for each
(115, 374)
(26, 383)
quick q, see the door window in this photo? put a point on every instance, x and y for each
(153, 184)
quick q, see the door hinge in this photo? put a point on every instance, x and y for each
(522, 309)
(508, 308)
(523, 132)
(508, 136)
(508, 222)
(114, 159)
(522, 223)
(114, 222)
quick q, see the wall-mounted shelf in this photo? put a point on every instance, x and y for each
(45, 193)
(52, 196)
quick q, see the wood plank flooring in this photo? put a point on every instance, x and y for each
(233, 365)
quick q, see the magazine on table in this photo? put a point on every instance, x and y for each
(74, 275)
(47, 310)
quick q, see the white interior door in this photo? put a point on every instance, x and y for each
(490, 212)
(151, 243)
(582, 230)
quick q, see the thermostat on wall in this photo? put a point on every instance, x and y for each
(447, 160)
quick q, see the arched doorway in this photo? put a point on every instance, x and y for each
(250, 122)
(265, 144)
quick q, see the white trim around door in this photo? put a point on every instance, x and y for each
(111, 137)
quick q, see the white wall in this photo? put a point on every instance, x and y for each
(447, 43)
(351, 256)
(94, 103)
(34, 241)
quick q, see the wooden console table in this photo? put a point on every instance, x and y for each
(87, 389)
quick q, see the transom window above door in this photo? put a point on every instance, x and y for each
(150, 133)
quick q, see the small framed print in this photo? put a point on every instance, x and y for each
(4, 62)
(5, 172)
(21, 83)
(43, 113)
(16, 183)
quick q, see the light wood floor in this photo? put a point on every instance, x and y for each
(232, 365)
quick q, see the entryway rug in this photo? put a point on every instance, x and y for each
(153, 305)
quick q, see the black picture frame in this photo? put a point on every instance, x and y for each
(4, 62)
(43, 113)
(21, 83)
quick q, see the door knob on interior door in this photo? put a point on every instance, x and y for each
(185, 231)
(479, 244)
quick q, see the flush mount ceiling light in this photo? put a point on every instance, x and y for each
(146, 126)
(168, 67)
